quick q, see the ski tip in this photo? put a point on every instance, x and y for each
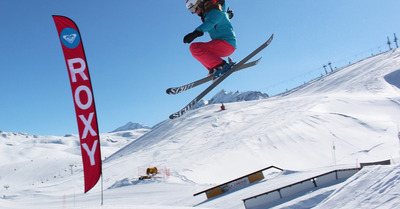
(169, 91)
(271, 37)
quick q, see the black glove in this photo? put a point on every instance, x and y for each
(230, 12)
(191, 36)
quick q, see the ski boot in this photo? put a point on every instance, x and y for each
(221, 70)
(211, 71)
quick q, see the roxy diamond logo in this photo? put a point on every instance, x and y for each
(70, 38)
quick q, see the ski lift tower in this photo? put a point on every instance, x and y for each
(326, 72)
(389, 43)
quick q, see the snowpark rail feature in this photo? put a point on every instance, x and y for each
(236, 183)
(384, 162)
(264, 199)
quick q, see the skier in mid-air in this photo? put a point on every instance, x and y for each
(217, 23)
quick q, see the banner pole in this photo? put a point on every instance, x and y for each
(102, 189)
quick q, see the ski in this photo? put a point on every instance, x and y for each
(220, 79)
(180, 89)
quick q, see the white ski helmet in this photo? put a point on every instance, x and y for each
(193, 5)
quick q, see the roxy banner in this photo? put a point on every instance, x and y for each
(82, 93)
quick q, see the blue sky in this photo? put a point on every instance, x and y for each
(134, 52)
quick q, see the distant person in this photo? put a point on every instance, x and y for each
(218, 25)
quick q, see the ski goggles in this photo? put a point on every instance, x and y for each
(194, 7)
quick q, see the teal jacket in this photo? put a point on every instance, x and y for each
(218, 25)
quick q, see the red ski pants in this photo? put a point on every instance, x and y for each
(209, 53)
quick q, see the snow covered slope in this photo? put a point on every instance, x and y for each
(29, 160)
(372, 187)
(344, 118)
(354, 109)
